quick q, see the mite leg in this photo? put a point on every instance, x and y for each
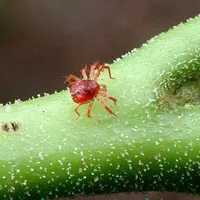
(103, 88)
(84, 73)
(92, 70)
(106, 107)
(71, 78)
(101, 68)
(89, 108)
(76, 109)
(104, 94)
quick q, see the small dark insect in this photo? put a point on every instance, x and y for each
(86, 90)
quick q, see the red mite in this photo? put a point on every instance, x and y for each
(86, 90)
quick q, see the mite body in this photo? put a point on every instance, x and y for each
(86, 90)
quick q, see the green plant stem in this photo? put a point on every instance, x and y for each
(154, 144)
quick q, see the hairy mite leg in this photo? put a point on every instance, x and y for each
(84, 73)
(92, 69)
(101, 68)
(89, 108)
(71, 78)
(104, 94)
(105, 106)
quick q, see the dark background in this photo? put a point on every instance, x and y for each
(43, 40)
